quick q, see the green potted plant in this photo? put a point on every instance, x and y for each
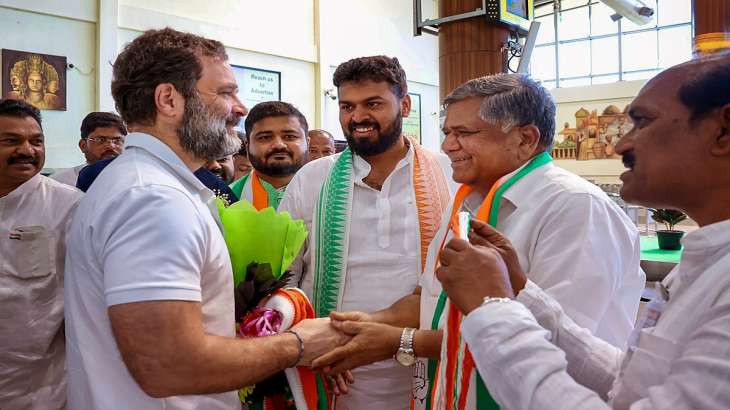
(668, 239)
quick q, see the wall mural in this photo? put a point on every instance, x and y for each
(594, 136)
(39, 79)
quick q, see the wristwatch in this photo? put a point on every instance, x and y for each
(405, 355)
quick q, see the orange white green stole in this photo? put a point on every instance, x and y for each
(294, 307)
(331, 222)
(455, 383)
(259, 196)
(330, 232)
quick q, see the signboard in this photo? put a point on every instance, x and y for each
(256, 85)
(412, 123)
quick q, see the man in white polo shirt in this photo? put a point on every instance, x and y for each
(149, 283)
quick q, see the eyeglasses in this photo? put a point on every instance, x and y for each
(459, 134)
(463, 133)
(107, 140)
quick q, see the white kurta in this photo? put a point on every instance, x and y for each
(574, 242)
(383, 262)
(68, 176)
(682, 363)
(32, 355)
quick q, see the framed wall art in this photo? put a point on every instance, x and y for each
(39, 79)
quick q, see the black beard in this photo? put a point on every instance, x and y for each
(276, 170)
(204, 134)
(386, 139)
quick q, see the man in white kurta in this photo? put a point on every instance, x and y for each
(383, 264)
(678, 357)
(384, 256)
(33, 220)
(575, 242)
(569, 236)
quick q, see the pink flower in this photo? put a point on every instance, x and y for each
(260, 321)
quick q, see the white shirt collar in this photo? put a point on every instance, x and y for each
(161, 151)
(700, 243)
(26, 187)
(518, 192)
(524, 187)
(362, 168)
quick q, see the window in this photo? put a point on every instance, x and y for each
(590, 48)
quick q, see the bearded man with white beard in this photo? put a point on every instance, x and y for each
(149, 285)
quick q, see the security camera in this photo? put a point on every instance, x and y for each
(330, 92)
(634, 10)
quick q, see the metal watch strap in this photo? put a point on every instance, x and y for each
(487, 300)
(406, 339)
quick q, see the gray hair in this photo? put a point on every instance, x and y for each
(511, 100)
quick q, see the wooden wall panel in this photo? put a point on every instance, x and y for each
(469, 48)
(711, 16)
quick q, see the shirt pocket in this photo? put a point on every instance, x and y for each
(648, 366)
(28, 252)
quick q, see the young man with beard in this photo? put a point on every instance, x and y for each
(102, 137)
(149, 285)
(533, 355)
(276, 140)
(34, 213)
(371, 212)
(571, 238)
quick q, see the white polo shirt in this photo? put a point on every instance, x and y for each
(145, 232)
(33, 222)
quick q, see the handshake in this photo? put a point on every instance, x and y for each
(344, 341)
(485, 265)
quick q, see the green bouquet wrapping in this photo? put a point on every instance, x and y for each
(262, 245)
(261, 237)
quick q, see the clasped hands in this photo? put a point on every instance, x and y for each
(486, 265)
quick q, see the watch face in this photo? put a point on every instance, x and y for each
(406, 359)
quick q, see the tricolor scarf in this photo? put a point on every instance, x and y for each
(331, 221)
(306, 388)
(454, 378)
(254, 191)
(331, 225)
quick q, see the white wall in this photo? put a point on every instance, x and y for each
(73, 37)
(303, 39)
(278, 27)
(595, 97)
(252, 35)
(349, 29)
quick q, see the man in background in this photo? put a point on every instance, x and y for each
(34, 213)
(222, 168)
(321, 144)
(276, 139)
(102, 137)
(241, 164)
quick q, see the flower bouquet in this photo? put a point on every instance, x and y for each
(262, 245)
